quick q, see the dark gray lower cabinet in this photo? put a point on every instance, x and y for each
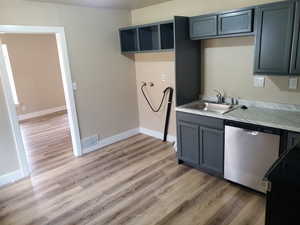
(189, 142)
(201, 142)
(212, 150)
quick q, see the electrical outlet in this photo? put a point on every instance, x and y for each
(293, 83)
(163, 77)
(259, 81)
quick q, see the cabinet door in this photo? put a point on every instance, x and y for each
(203, 27)
(236, 22)
(212, 150)
(129, 40)
(188, 142)
(274, 38)
(295, 60)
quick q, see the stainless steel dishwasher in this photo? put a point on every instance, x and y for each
(249, 152)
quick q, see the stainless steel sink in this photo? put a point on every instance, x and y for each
(211, 107)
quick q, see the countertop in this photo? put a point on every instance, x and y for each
(280, 119)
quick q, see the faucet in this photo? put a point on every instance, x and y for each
(220, 96)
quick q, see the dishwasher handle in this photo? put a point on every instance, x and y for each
(251, 127)
(251, 132)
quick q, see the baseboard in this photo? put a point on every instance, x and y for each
(157, 134)
(111, 140)
(11, 177)
(41, 113)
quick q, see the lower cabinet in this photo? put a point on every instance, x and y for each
(201, 142)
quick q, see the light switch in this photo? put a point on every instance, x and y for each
(293, 83)
(259, 81)
(163, 77)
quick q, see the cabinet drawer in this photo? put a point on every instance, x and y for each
(206, 121)
(236, 22)
(203, 26)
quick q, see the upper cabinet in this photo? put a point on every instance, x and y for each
(203, 27)
(295, 59)
(233, 23)
(236, 22)
(129, 40)
(274, 38)
(150, 37)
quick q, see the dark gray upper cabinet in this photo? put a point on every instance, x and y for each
(201, 142)
(129, 40)
(203, 26)
(167, 35)
(187, 66)
(149, 38)
(274, 38)
(235, 22)
(295, 59)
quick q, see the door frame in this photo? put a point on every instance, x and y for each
(67, 85)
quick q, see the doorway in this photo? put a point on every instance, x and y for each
(60, 121)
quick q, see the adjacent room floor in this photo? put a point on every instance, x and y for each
(136, 182)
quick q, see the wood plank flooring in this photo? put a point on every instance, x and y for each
(133, 182)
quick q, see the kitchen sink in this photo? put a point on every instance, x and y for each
(211, 107)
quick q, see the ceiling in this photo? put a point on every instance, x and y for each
(117, 4)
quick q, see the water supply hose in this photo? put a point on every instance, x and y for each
(169, 90)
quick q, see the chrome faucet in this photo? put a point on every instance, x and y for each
(220, 96)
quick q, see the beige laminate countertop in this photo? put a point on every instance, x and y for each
(281, 119)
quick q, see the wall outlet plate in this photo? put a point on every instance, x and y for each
(293, 83)
(259, 81)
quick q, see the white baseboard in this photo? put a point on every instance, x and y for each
(157, 134)
(41, 113)
(111, 140)
(11, 177)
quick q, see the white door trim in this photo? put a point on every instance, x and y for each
(67, 84)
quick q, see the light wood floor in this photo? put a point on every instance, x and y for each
(133, 182)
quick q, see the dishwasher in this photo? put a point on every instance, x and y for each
(250, 151)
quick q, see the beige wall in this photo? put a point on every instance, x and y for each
(36, 70)
(151, 67)
(106, 95)
(227, 63)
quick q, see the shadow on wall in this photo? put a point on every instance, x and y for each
(229, 42)
(155, 57)
(227, 63)
(282, 82)
(220, 43)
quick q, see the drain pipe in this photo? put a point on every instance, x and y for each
(171, 90)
